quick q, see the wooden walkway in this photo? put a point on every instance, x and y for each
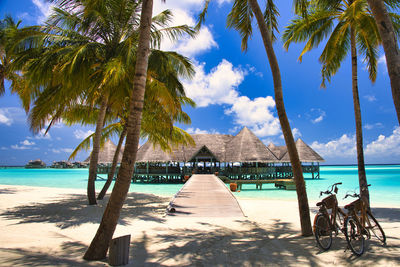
(205, 195)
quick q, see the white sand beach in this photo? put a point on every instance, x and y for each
(52, 227)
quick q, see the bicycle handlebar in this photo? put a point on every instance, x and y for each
(327, 192)
(355, 195)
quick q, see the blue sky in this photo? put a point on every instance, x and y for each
(233, 89)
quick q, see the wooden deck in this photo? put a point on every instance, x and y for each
(287, 184)
(205, 195)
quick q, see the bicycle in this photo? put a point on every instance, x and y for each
(324, 223)
(361, 222)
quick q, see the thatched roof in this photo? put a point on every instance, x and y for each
(306, 153)
(150, 153)
(246, 147)
(278, 151)
(215, 143)
(107, 152)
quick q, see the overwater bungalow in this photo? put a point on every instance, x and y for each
(239, 157)
(35, 164)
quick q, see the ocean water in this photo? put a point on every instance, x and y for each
(384, 180)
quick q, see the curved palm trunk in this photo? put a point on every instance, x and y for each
(113, 166)
(362, 178)
(304, 210)
(99, 245)
(94, 157)
(391, 48)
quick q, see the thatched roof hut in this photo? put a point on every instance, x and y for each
(246, 147)
(107, 152)
(306, 153)
(278, 151)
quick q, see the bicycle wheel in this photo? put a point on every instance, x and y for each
(322, 232)
(354, 238)
(375, 228)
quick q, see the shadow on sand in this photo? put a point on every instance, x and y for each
(73, 210)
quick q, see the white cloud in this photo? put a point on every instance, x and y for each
(79, 134)
(372, 126)
(17, 147)
(10, 115)
(217, 87)
(385, 146)
(4, 148)
(382, 60)
(316, 115)
(343, 147)
(184, 12)
(199, 131)
(41, 135)
(296, 133)
(256, 114)
(27, 143)
(59, 150)
(45, 9)
(370, 98)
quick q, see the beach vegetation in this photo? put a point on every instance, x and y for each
(348, 26)
(82, 62)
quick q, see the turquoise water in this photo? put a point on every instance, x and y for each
(384, 180)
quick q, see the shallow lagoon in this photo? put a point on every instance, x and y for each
(385, 181)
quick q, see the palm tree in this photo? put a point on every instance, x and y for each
(92, 40)
(240, 18)
(99, 245)
(390, 45)
(8, 29)
(349, 24)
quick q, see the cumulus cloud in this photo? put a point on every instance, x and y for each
(59, 150)
(256, 114)
(41, 135)
(79, 134)
(296, 133)
(219, 86)
(385, 146)
(18, 147)
(199, 131)
(27, 143)
(344, 147)
(184, 12)
(45, 9)
(9, 115)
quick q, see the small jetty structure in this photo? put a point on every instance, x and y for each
(35, 164)
(242, 158)
(204, 195)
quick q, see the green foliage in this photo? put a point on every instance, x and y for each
(332, 20)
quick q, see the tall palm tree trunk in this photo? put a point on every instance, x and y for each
(113, 166)
(362, 178)
(391, 48)
(94, 157)
(99, 245)
(304, 210)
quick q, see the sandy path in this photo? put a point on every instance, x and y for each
(52, 227)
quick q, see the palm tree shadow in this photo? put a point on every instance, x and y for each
(279, 245)
(73, 210)
(69, 255)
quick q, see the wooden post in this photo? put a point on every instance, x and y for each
(119, 251)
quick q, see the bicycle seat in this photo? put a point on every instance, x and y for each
(319, 204)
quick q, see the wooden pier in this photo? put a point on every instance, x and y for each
(287, 184)
(205, 196)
